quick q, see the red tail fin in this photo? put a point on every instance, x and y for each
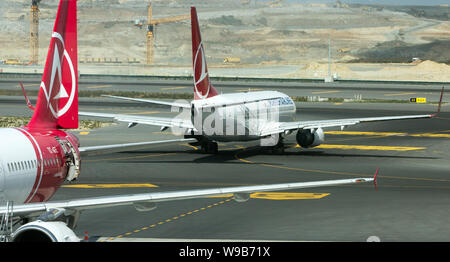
(202, 85)
(57, 104)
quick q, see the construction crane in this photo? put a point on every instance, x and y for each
(34, 32)
(151, 29)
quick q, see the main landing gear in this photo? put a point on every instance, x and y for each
(209, 147)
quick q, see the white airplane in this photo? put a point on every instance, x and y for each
(36, 159)
(266, 115)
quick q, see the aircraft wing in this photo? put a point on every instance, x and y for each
(146, 201)
(106, 149)
(290, 126)
(148, 120)
(281, 127)
(173, 104)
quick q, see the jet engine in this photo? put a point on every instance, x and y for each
(40, 231)
(307, 138)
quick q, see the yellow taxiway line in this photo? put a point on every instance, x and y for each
(95, 87)
(399, 94)
(364, 147)
(173, 88)
(282, 196)
(357, 133)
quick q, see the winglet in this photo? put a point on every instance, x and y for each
(440, 102)
(375, 179)
(26, 97)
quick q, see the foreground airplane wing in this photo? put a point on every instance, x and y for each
(147, 120)
(106, 149)
(146, 201)
(173, 104)
(290, 126)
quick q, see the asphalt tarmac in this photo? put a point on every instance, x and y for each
(343, 89)
(410, 202)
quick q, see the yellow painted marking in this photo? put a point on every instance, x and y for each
(325, 92)
(386, 134)
(142, 113)
(360, 147)
(24, 85)
(319, 171)
(288, 196)
(365, 133)
(173, 88)
(282, 196)
(338, 104)
(249, 89)
(399, 94)
(421, 100)
(431, 135)
(84, 133)
(95, 87)
(109, 185)
(194, 147)
(167, 220)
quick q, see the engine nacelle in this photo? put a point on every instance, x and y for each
(306, 138)
(40, 231)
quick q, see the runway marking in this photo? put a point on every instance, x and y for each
(363, 147)
(141, 113)
(283, 196)
(337, 172)
(102, 86)
(249, 90)
(25, 85)
(191, 146)
(168, 220)
(131, 157)
(355, 133)
(174, 88)
(399, 94)
(325, 92)
(109, 185)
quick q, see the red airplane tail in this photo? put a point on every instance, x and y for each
(57, 104)
(202, 84)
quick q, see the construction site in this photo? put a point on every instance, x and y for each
(242, 38)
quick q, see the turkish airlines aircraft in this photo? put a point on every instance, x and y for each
(266, 115)
(37, 158)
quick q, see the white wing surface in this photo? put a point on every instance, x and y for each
(140, 200)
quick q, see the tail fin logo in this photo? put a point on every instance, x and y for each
(65, 100)
(201, 78)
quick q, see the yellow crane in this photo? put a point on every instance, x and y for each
(34, 32)
(151, 29)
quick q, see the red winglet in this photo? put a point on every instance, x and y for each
(26, 97)
(440, 102)
(375, 179)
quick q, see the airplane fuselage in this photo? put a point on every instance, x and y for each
(34, 163)
(240, 116)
